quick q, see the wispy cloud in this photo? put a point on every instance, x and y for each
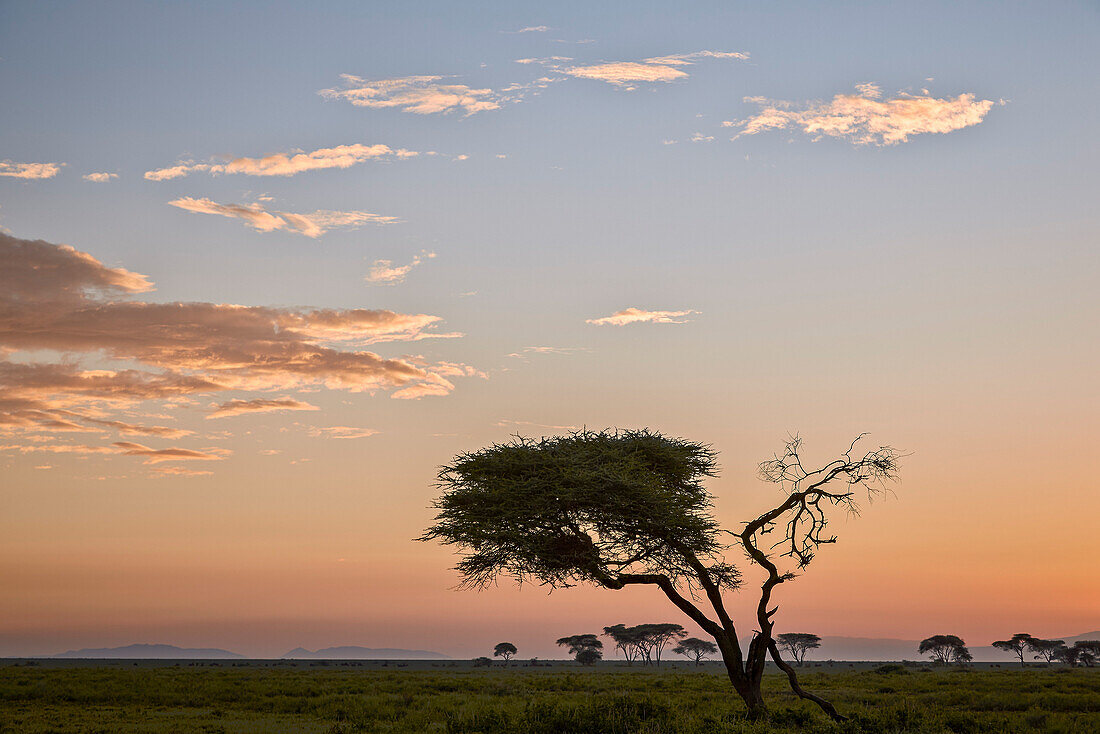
(100, 177)
(531, 29)
(258, 405)
(156, 456)
(385, 272)
(262, 220)
(865, 118)
(527, 351)
(422, 95)
(285, 164)
(638, 315)
(656, 69)
(341, 432)
(29, 171)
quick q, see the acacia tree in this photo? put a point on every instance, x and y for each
(1089, 652)
(695, 649)
(626, 639)
(654, 637)
(1018, 645)
(504, 650)
(619, 508)
(798, 644)
(945, 649)
(579, 644)
(1045, 649)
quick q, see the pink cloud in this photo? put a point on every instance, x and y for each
(286, 164)
(637, 315)
(866, 118)
(255, 216)
(422, 95)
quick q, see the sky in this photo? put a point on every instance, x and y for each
(264, 267)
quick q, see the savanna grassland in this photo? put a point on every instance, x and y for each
(123, 696)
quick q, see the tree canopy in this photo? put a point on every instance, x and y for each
(581, 508)
(945, 649)
(695, 649)
(1017, 645)
(504, 650)
(798, 644)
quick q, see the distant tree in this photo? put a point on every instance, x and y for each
(654, 637)
(578, 644)
(1089, 653)
(1068, 655)
(626, 640)
(504, 650)
(798, 644)
(482, 662)
(945, 649)
(1018, 645)
(619, 508)
(1045, 650)
(695, 649)
(589, 656)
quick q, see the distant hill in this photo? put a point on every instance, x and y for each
(353, 652)
(149, 652)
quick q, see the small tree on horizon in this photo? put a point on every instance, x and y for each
(578, 644)
(1018, 645)
(505, 650)
(1046, 650)
(1089, 652)
(945, 649)
(619, 508)
(798, 644)
(695, 649)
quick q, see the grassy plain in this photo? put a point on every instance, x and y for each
(453, 698)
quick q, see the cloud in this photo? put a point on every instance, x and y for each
(656, 69)
(29, 171)
(385, 272)
(286, 164)
(520, 425)
(531, 29)
(255, 216)
(866, 118)
(127, 448)
(156, 456)
(258, 405)
(546, 350)
(57, 300)
(178, 471)
(637, 315)
(341, 432)
(422, 95)
(99, 177)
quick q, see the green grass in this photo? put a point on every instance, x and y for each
(122, 697)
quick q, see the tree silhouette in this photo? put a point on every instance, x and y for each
(798, 644)
(1068, 655)
(695, 649)
(626, 639)
(1089, 653)
(654, 637)
(945, 649)
(1018, 645)
(589, 656)
(578, 644)
(504, 650)
(1045, 649)
(619, 508)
